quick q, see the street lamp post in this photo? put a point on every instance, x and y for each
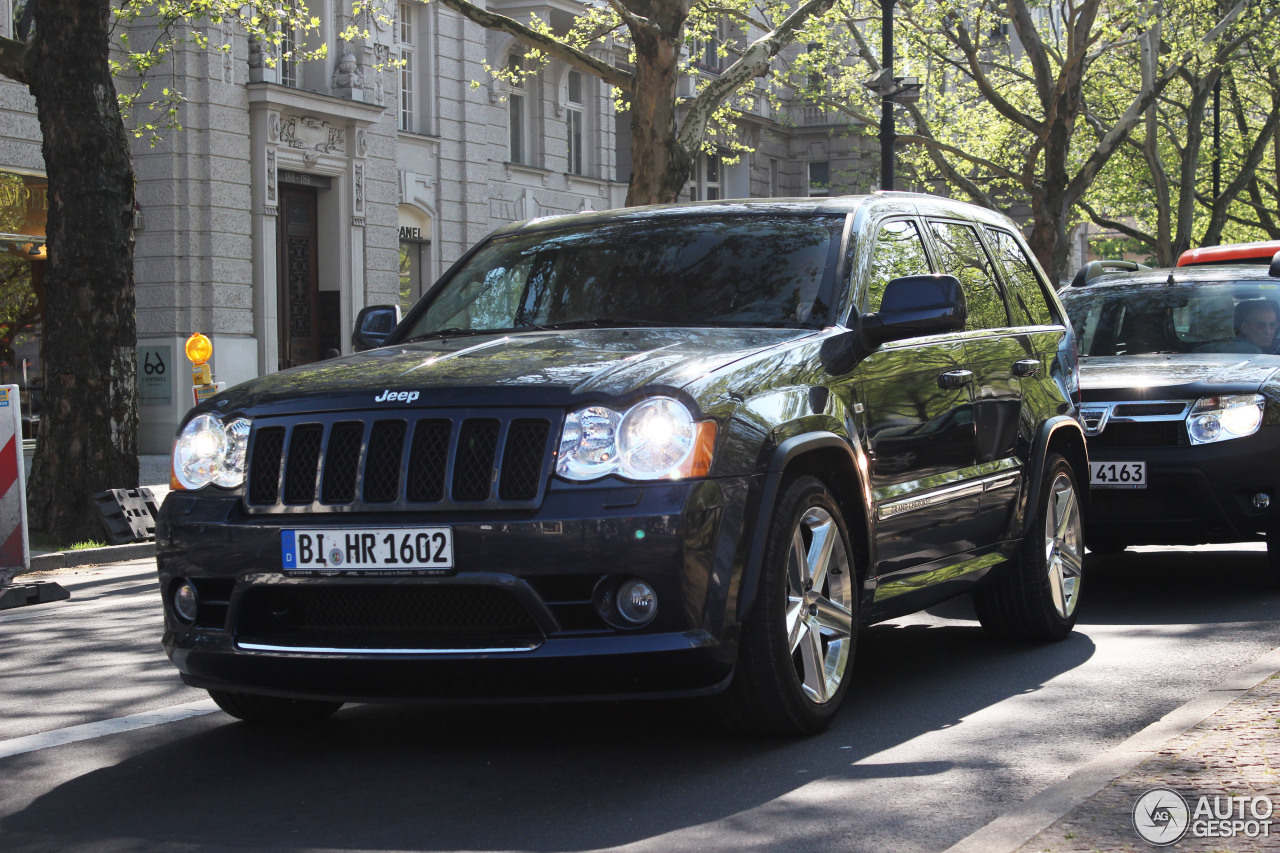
(892, 90)
(888, 134)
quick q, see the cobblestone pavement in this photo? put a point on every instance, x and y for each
(1234, 752)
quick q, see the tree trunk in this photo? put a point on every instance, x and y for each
(660, 165)
(87, 439)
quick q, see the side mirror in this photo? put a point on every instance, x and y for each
(1275, 265)
(915, 305)
(374, 324)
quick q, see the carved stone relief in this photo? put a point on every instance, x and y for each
(309, 133)
(271, 176)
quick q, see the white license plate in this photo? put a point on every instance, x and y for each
(366, 550)
(1118, 475)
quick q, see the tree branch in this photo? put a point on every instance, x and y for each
(1116, 225)
(546, 44)
(13, 59)
(754, 62)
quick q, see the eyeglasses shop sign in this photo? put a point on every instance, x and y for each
(155, 375)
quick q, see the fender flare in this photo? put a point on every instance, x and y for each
(1056, 429)
(781, 458)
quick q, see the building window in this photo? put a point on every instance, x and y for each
(414, 267)
(706, 178)
(819, 179)
(574, 111)
(409, 64)
(518, 111)
(288, 54)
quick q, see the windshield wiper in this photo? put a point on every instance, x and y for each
(452, 332)
(606, 322)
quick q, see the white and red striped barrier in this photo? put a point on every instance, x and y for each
(15, 548)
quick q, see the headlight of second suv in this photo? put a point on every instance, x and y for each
(1223, 418)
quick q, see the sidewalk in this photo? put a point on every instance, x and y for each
(152, 468)
(1224, 743)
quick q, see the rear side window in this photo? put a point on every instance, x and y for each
(898, 251)
(964, 258)
(1026, 300)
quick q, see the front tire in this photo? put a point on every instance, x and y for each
(273, 710)
(1037, 598)
(796, 655)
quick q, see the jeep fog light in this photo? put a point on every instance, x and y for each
(185, 602)
(1223, 418)
(637, 602)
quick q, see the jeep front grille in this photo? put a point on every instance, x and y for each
(413, 462)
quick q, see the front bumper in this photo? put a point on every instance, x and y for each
(520, 618)
(1195, 494)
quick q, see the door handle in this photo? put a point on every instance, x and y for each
(1026, 367)
(953, 379)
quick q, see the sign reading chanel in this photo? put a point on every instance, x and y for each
(410, 233)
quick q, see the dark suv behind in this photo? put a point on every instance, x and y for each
(682, 450)
(1181, 385)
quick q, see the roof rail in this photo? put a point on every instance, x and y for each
(1093, 269)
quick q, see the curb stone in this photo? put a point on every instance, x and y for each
(50, 560)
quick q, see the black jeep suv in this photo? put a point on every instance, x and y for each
(1181, 389)
(680, 450)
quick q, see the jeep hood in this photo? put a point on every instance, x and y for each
(528, 368)
(1174, 374)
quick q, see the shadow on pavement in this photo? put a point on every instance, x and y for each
(545, 777)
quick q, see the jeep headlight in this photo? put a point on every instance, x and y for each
(655, 439)
(1223, 418)
(208, 451)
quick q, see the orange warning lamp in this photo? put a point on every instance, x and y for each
(200, 350)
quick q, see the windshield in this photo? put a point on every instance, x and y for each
(727, 271)
(1239, 317)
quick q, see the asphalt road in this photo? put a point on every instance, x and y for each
(946, 729)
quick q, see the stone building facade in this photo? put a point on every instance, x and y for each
(296, 194)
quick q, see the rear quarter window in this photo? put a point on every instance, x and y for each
(1027, 303)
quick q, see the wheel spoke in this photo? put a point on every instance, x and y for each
(815, 675)
(834, 618)
(1064, 513)
(798, 562)
(818, 559)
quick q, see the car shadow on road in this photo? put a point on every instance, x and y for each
(527, 777)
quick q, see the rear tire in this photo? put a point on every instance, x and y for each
(1036, 599)
(273, 710)
(796, 654)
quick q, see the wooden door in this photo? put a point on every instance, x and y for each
(298, 282)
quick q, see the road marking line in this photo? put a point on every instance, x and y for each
(88, 731)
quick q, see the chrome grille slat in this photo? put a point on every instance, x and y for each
(1136, 423)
